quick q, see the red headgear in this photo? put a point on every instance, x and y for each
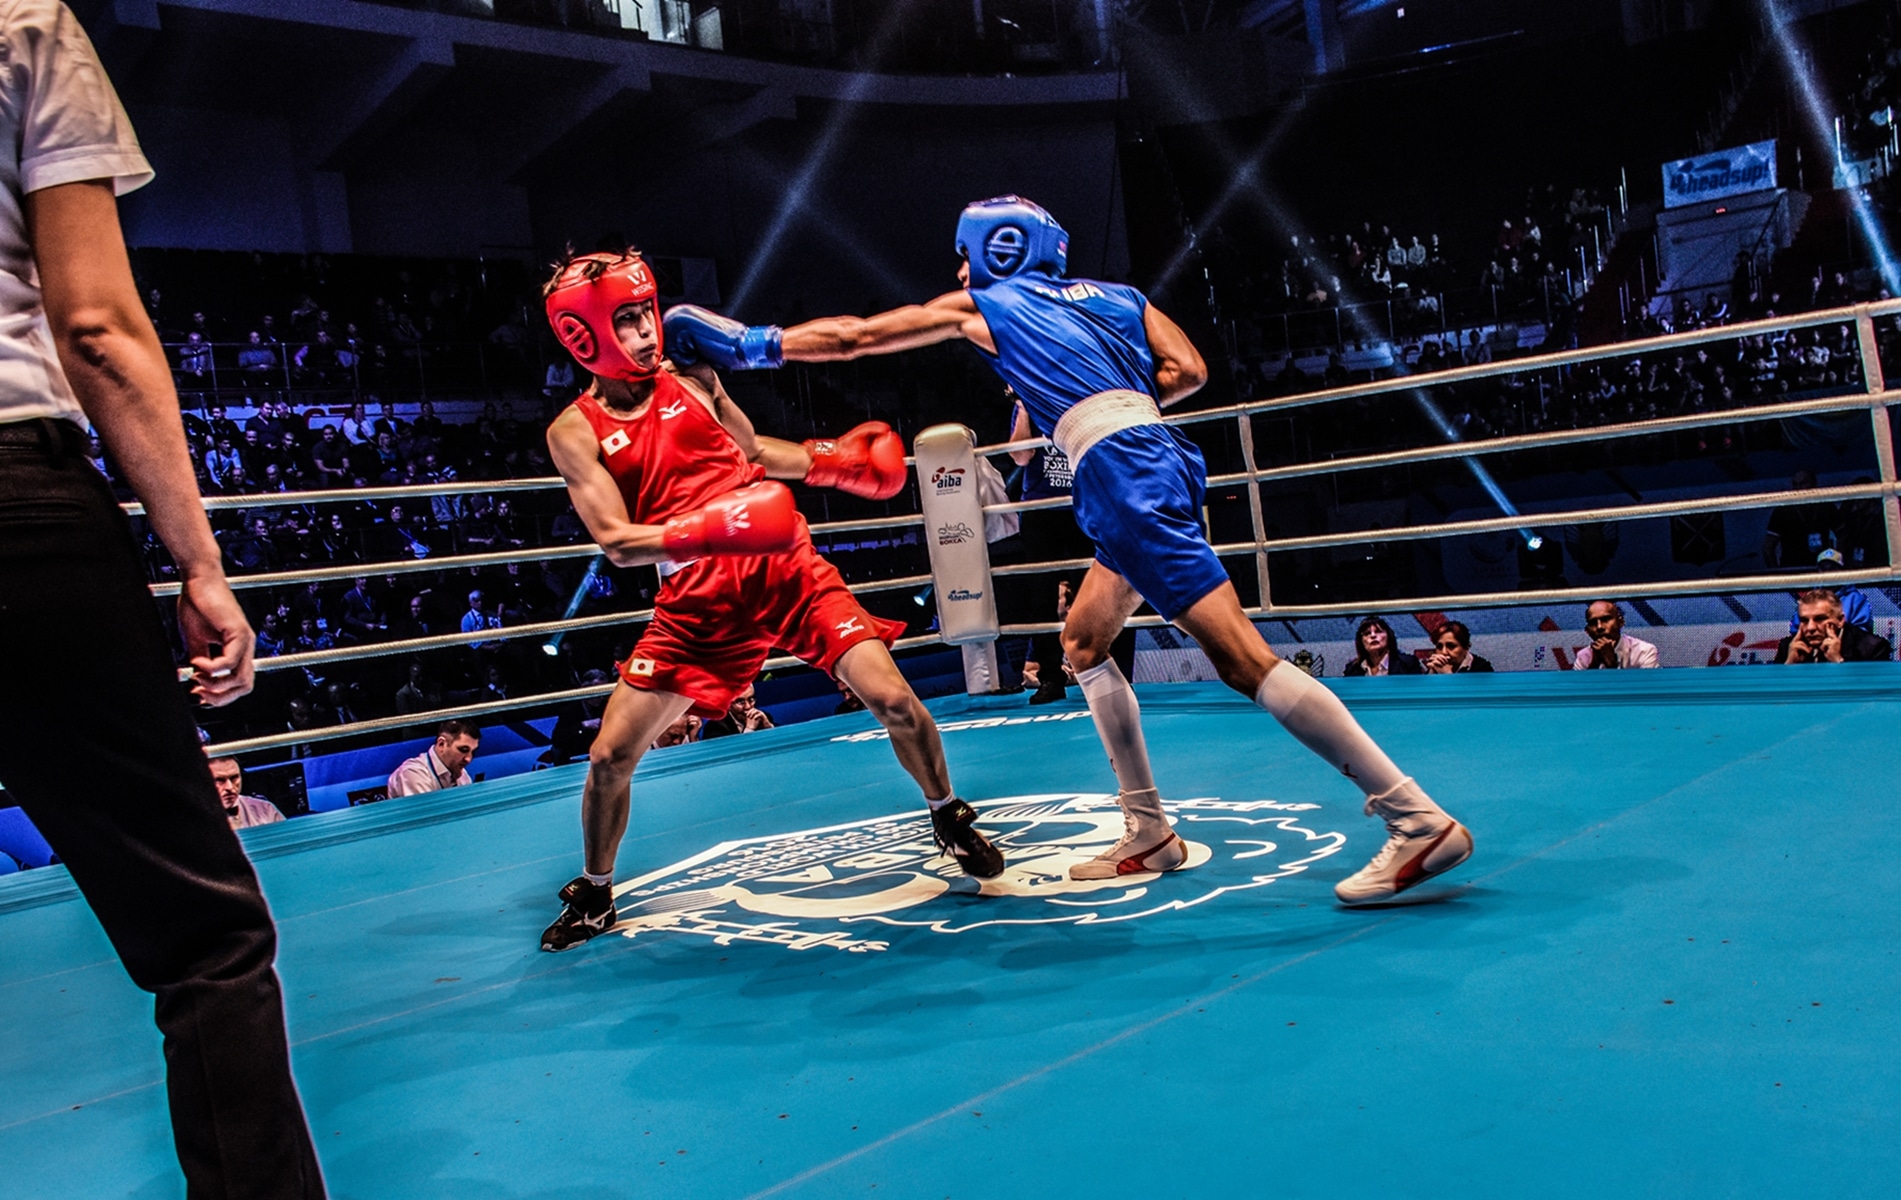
(581, 308)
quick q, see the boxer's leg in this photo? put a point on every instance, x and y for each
(868, 669)
(1103, 605)
(1423, 840)
(631, 721)
(873, 676)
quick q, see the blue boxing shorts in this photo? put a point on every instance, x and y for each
(1138, 497)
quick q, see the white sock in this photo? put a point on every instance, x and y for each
(937, 804)
(598, 880)
(1119, 723)
(1318, 721)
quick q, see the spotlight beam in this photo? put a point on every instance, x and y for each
(1244, 179)
(793, 201)
(1815, 110)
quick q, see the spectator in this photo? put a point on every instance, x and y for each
(403, 536)
(242, 811)
(258, 362)
(1452, 652)
(363, 616)
(558, 383)
(1610, 647)
(357, 429)
(679, 733)
(219, 461)
(1823, 636)
(194, 359)
(745, 716)
(1797, 532)
(1376, 652)
(579, 723)
(443, 765)
(848, 701)
(420, 694)
(331, 457)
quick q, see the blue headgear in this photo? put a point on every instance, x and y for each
(1009, 235)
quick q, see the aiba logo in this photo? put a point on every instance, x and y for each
(852, 886)
(954, 535)
(947, 479)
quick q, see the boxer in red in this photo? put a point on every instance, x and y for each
(664, 468)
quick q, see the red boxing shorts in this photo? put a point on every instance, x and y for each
(718, 619)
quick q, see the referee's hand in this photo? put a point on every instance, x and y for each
(218, 639)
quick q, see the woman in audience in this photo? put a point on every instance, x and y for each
(1375, 652)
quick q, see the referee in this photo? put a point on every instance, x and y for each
(97, 740)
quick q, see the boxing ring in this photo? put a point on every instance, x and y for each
(1665, 971)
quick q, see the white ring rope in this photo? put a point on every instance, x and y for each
(1874, 400)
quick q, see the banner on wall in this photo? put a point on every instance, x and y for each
(1732, 172)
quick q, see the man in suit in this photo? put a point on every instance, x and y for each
(1822, 635)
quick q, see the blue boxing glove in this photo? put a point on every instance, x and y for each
(693, 334)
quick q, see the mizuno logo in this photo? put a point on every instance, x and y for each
(673, 410)
(849, 626)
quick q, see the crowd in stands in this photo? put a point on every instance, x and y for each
(1529, 268)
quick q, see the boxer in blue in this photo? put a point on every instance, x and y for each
(1094, 363)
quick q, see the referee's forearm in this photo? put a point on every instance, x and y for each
(121, 380)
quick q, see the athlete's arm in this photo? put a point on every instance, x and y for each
(597, 499)
(830, 339)
(1179, 370)
(780, 458)
(118, 374)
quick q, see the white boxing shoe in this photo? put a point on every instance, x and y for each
(1423, 841)
(1148, 844)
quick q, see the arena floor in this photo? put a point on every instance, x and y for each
(1669, 970)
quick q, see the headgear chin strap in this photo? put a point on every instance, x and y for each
(581, 308)
(1007, 236)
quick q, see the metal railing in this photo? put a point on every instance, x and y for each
(1875, 397)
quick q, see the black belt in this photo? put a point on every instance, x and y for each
(56, 439)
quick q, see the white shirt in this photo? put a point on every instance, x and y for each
(423, 773)
(60, 122)
(1631, 652)
(252, 811)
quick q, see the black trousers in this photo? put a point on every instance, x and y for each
(1051, 535)
(98, 745)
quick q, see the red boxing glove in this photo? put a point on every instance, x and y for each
(760, 519)
(868, 462)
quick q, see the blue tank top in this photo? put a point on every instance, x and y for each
(1060, 341)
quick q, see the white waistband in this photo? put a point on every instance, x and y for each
(667, 567)
(1097, 417)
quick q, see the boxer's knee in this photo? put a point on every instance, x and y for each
(896, 706)
(1086, 648)
(610, 764)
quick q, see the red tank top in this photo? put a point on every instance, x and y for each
(672, 458)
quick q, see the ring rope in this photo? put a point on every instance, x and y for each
(328, 733)
(1874, 399)
(401, 566)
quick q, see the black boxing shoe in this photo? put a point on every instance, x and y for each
(955, 827)
(588, 912)
(1050, 693)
